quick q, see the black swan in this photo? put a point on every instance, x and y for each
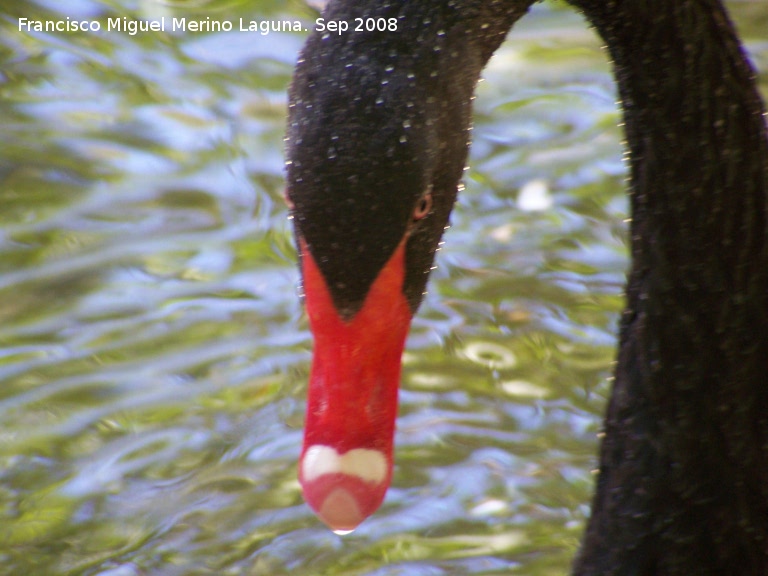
(378, 133)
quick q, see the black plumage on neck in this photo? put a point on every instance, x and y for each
(379, 119)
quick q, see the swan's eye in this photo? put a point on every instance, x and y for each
(423, 207)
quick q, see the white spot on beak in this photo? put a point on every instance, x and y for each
(367, 465)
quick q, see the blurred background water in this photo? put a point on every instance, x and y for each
(153, 353)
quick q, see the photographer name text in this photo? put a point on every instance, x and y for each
(168, 24)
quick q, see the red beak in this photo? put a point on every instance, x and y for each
(346, 461)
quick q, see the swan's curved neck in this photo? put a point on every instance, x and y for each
(683, 485)
(379, 119)
(696, 136)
